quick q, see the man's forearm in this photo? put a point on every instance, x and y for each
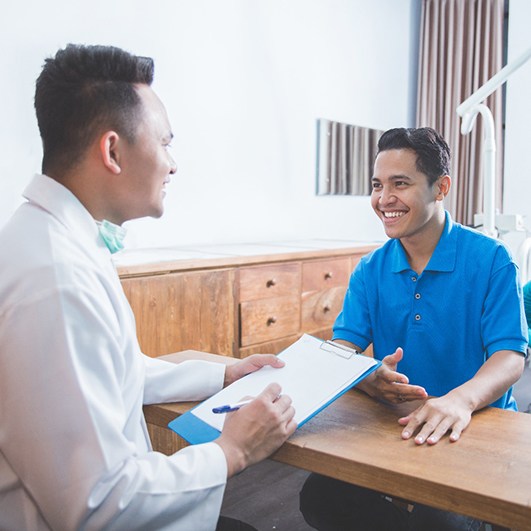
(492, 380)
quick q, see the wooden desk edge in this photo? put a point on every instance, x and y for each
(502, 513)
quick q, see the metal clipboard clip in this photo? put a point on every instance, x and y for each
(339, 350)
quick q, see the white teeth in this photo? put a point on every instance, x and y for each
(393, 214)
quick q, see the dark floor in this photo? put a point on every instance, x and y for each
(266, 496)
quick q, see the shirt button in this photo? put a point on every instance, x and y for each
(417, 317)
(414, 279)
(417, 296)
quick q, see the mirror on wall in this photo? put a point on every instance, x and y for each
(345, 158)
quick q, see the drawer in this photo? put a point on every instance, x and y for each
(264, 282)
(270, 347)
(320, 308)
(269, 319)
(323, 274)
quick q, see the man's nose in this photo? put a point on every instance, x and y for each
(386, 195)
(173, 166)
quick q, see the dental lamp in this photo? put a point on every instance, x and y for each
(468, 111)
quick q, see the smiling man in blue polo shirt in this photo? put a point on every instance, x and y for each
(442, 306)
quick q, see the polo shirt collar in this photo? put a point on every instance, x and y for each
(443, 257)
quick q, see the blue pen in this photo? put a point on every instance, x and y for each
(230, 407)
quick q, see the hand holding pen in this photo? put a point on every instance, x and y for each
(227, 408)
(252, 434)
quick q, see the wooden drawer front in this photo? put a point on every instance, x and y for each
(324, 274)
(320, 308)
(271, 347)
(268, 319)
(264, 282)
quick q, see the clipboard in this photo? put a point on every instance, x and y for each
(316, 373)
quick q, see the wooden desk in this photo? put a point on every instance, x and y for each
(487, 474)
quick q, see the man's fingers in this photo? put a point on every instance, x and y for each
(287, 414)
(257, 361)
(393, 377)
(424, 433)
(433, 420)
(267, 359)
(412, 422)
(291, 427)
(438, 432)
(400, 392)
(283, 403)
(393, 359)
(272, 392)
(405, 392)
(457, 430)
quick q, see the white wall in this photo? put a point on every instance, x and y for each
(243, 82)
(517, 189)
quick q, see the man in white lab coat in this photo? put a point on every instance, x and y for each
(74, 449)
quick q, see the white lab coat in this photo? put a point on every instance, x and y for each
(74, 449)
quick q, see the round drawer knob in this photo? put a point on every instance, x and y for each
(328, 275)
(271, 282)
(271, 321)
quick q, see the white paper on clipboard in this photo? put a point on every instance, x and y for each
(316, 373)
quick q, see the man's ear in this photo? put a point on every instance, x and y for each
(109, 151)
(443, 187)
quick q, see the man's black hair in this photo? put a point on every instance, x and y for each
(433, 153)
(83, 91)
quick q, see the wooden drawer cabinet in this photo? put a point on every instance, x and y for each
(270, 347)
(269, 319)
(324, 274)
(264, 282)
(238, 305)
(320, 308)
(269, 302)
(324, 283)
(180, 311)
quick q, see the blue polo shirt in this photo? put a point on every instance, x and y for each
(465, 306)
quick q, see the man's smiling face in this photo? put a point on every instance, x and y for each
(402, 196)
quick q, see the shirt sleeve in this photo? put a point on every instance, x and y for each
(180, 382)
(353, 323)
(503, 322)
(64, 415)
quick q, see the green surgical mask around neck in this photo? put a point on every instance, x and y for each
(112, 235)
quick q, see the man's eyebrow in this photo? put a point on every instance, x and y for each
(400, 178)
(395, 178)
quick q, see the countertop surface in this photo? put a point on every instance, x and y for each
(135, 261)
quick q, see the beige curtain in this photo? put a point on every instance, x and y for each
(346, 158)
(461, 47)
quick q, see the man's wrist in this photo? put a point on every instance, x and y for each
(365, 385)
(228, 376)
(464, 398)
(234, 456)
